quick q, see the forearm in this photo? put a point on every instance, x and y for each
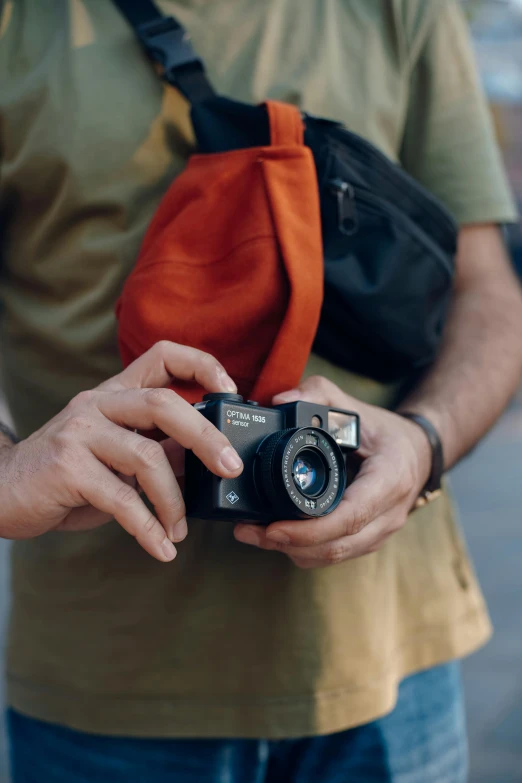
(480, 363)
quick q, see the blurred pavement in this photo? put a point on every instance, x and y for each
(488, 486)
(3, 612)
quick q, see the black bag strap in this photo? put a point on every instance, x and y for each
(168, 43)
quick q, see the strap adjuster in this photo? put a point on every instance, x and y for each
(169, 44)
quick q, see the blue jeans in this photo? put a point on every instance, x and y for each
(422, 741)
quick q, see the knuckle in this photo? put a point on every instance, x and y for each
(208, 431)
(125, 497)
(176, 506)
(149, 453)
(82, 399)
(357, 520)
(158, 399)
(311, 538)
(162, 347)
(207, 361)
(362, 519)
(72, 432)
(148, 524)
(336, 553)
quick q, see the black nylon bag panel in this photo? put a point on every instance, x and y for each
(388, 286)
(384, 310)
(223, 125)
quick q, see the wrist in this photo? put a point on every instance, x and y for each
(431, 457)
(422, 452)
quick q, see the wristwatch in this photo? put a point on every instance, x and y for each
(433, 487)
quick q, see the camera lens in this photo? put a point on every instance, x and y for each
(310, 472)
(299, 473)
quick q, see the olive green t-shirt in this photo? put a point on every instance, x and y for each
(227, 640)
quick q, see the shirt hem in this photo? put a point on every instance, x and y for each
(486, 214)
(320, 713)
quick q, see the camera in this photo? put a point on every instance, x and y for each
(294, 458)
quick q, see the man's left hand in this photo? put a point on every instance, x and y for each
(396, 465)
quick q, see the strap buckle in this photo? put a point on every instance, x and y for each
(426, 498)
(168, 43)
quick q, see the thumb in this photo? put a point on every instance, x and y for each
(313, 389)
(289, 396)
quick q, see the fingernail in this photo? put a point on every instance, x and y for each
(247, 535)
(179, 531)
(169, 550)
(278, 536)
(230, 459)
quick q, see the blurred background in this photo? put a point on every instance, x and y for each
(488, 484)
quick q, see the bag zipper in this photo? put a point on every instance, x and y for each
(347, 217)
(437, 211)
(371, 200)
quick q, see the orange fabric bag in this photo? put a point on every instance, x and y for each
(232, 263)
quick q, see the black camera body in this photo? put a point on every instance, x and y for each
(293, 456)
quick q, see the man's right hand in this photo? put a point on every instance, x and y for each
(70, 474)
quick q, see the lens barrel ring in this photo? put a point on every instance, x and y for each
(266, 461)
(275, 481)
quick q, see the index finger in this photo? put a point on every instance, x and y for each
(366, 499)
(166, 360)
(147, 409)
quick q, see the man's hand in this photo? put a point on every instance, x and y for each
(469, 385)
(70, 473)
(396, 465)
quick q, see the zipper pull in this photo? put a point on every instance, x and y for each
(347, 219)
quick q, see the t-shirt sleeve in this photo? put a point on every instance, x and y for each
(449, 139)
